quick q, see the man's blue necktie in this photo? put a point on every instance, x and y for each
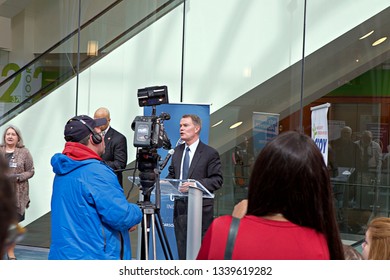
(186, 164)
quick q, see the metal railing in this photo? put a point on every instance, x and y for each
(65, 59)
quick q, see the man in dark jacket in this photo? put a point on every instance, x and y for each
(203, 165)
(115, 153)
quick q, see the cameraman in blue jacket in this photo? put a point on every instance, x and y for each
(90, 215)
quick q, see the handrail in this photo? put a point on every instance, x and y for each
(358, 243)
(60, 42)
(45, 89)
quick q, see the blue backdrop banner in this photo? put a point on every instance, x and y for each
(172, 128)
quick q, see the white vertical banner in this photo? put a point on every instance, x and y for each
(319, 128)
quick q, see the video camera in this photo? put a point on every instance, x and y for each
(150, 135)
(149, 130)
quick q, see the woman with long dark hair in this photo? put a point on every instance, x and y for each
(290, 211)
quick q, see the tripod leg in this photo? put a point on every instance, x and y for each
(148, 230)
(145, 237)
(163, 237)
(154, 237)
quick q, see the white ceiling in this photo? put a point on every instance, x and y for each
(10, 8)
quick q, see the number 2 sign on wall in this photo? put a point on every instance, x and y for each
(22, 85)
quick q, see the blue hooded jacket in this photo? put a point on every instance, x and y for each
(90, 216)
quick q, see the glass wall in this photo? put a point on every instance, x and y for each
(245, 58)
(351, 74)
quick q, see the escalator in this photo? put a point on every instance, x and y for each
(76, 52)
(25, 87)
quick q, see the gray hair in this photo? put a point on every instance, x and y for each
(346, 129)
(196, 120)
(20, 143)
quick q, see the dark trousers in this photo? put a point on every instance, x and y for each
(180, 215)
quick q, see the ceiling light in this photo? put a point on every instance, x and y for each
(365, 36)
(247, 72)
(92, 48)
(218, 123)
(379, 41)
(237, 124)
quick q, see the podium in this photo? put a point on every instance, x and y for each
(169, 190)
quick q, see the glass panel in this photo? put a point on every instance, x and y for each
(243, 59)
(351, 74)
(24, 83)
(237, 64)
(53, 62)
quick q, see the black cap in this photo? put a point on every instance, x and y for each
(79, 127)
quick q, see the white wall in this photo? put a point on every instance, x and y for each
(5, 31)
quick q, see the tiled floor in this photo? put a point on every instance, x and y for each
(30, 253)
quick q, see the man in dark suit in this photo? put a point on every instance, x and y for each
(204, 165)
(346, 152)
(115, 154)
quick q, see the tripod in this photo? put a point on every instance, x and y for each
(152, 223)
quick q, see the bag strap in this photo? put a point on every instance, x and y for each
(231, 238)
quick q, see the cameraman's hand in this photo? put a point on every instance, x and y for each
(133, 228)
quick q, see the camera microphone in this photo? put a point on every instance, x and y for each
(165, 116)
(167, 158)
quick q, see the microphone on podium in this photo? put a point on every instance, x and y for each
(167, 158)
